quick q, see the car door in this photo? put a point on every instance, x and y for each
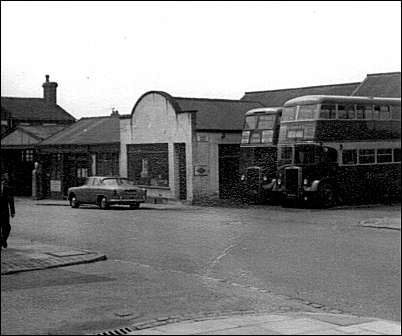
(86, 191)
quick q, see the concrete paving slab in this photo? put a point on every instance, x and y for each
(389, 328)
(248, 330)
(187, 328)
(256, 319)
(296, 326)
(332, 331)
(341, 320)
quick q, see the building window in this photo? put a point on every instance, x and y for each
(148, 164)
(82, 172)
(107, 164)
(27, 155)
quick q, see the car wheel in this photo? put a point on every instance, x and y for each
(134, 206)
(327, 196)
(74, 202)
(103, 204)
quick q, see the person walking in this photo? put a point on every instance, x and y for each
(7, 208)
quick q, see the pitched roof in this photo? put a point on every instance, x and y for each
(28, 135)
(34, 109)
(380, 85)
(88, 131)
(272, 98)
(217, 114)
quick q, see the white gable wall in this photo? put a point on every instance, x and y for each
(154, 120)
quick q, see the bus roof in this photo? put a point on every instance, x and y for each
(264, 110)
(316, 99)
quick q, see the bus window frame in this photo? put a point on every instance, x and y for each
(355, 162)
(243, 137)
(259, 121)
(384, 155)
(366, 149)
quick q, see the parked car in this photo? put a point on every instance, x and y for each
(105, 191)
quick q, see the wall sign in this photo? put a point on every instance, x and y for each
(201, 170)
(202, 138)
(55, 185)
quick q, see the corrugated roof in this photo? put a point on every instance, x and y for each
(34, 109)
(380, 85)
(217, 114)
(88, 131)
(272, 98)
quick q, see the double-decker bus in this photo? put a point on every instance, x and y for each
(258, 153)
(339, 148)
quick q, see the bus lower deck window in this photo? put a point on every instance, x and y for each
(366, 156)
(349, 156)
(384, 155)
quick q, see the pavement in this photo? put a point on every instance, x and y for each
(26, 255)
(300, 323)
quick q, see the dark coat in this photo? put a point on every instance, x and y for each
(7, 201)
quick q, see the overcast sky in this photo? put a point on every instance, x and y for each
(105, 55)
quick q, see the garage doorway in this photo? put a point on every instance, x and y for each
(229, 158)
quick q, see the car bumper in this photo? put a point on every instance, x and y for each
(126, 201)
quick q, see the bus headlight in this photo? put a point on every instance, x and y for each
(279, 181)
(305, 182)
(242, 177)
(264, 178)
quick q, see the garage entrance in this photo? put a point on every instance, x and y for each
(229, 156)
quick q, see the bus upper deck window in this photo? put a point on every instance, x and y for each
(384, 112)
(289, 113)
(350, 112)
(376, 112)
(307, 112)
(327, 111)
(266, 122)
(368, 112)
(346, 111)
(342, 112)
(360, 112)
(396, 112)
(251, 123)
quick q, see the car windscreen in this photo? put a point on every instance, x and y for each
(117, 182)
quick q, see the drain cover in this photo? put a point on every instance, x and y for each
(121, 331)
(67, 253)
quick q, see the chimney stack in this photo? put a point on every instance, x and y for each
(49, 91)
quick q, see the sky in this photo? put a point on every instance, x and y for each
(105, 55)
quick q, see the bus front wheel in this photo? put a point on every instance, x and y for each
(326, 195)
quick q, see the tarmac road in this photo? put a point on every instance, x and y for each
(320, 256)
